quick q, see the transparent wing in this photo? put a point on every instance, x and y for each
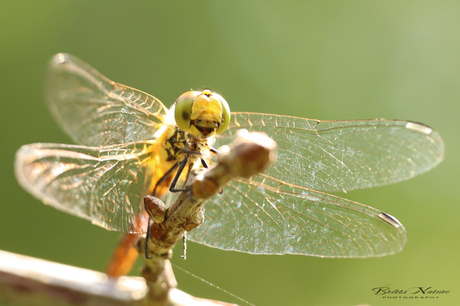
(266, 216)
(105, 184)
(343, 155)
(96, 111)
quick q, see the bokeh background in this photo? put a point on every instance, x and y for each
(323, 59)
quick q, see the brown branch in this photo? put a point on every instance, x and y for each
(36, 282)
(30, 281)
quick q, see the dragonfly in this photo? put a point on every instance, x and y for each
(130, 145)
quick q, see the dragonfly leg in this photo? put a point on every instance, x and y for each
(204, 163)
(164, 177)
(191, 152)
(147, 236)
(182, 165)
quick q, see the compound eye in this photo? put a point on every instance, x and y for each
(183, 109)
(225, 114)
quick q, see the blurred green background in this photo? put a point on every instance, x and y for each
(324, 59)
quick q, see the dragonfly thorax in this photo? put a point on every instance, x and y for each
(174, 145)
(202, 113)
(177, 141)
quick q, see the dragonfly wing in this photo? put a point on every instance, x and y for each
(95, 111)
(266, 216)
(343, 155)
(105, 184)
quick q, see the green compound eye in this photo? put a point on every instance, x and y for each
(183, 109)
(225, 114)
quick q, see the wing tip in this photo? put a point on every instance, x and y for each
(390, 220)
(60, 58)
(418, 127)
(436, 142)
(19, 161)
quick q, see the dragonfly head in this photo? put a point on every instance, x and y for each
(202, 113)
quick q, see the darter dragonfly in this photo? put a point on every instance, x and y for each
(129, 141)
